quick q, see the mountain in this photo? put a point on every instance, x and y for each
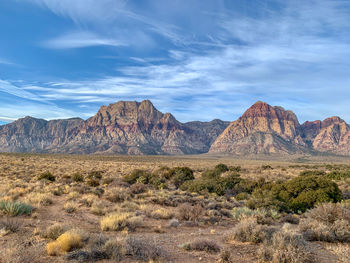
(262, 129)
(126, 127)
(136, 128)
(330, 135)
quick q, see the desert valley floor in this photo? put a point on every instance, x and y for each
(74, 208)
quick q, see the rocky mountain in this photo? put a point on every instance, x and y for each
(125, 127)
(330, 135)
(130, 127)
(261, 129)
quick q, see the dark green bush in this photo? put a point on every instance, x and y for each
(138, 175)
(77, 177)
(218, 185)
(312, 172)
(47, 176)
(95, 175)
(296, 195)
(179, 175)
(221, 168)
(338, 175)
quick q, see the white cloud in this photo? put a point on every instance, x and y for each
(79, 40)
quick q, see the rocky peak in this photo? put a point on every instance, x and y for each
(331, 121)
(264, 110)
(126, 113)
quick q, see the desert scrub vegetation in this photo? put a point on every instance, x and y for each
(15, 208)
(119, 221)
(327, 222)
(206, 245)
(64, 243)
(286, 245)
(162, 178)
(296, 195)
(47, 176)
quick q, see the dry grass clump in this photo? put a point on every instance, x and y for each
(342, 251)
(70, 207)
(203, 245)
(190, 213)
(9, 225)
(40, 199)
(117, 194)
(327, 222)
(146, 249)
(54, 231)
(286, 246)
(120, 221)
(162, 213)
(98, 208)
(64, 243)
(115, 249)
(249, 230)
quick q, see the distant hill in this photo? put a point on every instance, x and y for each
(136, 128)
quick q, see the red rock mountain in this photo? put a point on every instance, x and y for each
(130, 127)
(261, 129)
(127, 127)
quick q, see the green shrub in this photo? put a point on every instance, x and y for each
(15, 208)
(218, 185)
(179, 175)
(221, 168)
(138, 175)
(312, 172)
(95, 175)
(47, 176)
(296, 195)
(77, 177)
(338, 175)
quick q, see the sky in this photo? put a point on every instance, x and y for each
(198, 59)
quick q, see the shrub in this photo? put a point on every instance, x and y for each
(47, 176)
(137, 175)
(327, 222)
(248, 230)
(117, 194)
(138, 188)
(338, 175)
(115, 250)
(54, 231)
(145, 249)
(77, 177)
(93, 182)
(208, 184)
(312, 173)
(221, 168)
(10, 225)
(70, 207)
(180, 175)
(162, 214)
(120, 221)
(64, 243)
(190, 213)
(203, 245)
(286, 246)
(97, 175)
(15, 208)
(296, 195)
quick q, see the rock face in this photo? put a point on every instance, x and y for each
(130, 127)
(124, 128)
(330, 135)
(261, 129)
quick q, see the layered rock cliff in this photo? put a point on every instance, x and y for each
(130, 127)
(126, 127)
(261, 129)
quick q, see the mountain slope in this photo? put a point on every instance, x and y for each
(261, 129)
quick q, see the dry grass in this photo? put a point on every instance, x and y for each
(64, 243)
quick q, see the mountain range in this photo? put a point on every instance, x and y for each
(137, 128)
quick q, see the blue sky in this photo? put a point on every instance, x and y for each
(198, 59)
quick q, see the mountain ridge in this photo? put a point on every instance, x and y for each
(137, 128)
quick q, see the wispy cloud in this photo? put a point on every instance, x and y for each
(81, 39)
